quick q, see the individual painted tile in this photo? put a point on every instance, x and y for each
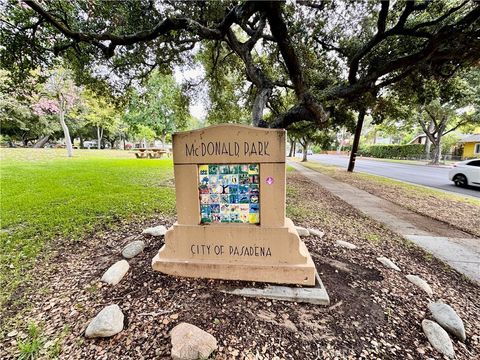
(244, 179)
(254, 189)
(243, 169)
(213, 169)
(253, 169)
(205, 209)
(224, 169)
(203, 170)
(233, 169)
(253, 218)
(254, 179)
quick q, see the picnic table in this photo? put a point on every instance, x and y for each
(152, 153)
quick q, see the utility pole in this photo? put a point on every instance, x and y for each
(356, 139)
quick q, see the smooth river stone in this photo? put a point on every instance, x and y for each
(108, 322)
(316, 232)
(419, 282)
(438, 338)
(388, 263)
(302, 231)
(190, 342)
(448, 319)
(159, 230)
(346, 244)
(116, 272)
(133, 249)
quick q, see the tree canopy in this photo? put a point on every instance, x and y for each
(324, 53)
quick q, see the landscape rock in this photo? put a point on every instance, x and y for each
(190, 342)
(133, 249)
(346, 244)
(116, 272)
(159, 230)
(419, 282)
(302, 231)
(388, 263)
(438, 338)
(448, 319)
(316, 232)
(108, 322)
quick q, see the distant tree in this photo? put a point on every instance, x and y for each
(145, 133)
(439, 105)
(18, 121)
(57, 96)
(100, 113)
(306, 134)
(161, 106)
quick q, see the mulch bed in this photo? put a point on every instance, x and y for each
(375, 312)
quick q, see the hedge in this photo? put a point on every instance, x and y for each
(393, 151)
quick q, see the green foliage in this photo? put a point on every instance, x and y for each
(228, 101)
(31, 346)
(46, 196)
(448, 142)
(393, 151)
(162, 106)
(98, 111)
(144, 132)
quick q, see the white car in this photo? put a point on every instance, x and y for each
(466, 173)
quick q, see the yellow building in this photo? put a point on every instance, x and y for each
(471, 146)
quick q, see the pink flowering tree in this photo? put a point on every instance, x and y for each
(57, 97)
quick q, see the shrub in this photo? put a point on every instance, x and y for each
(393, 151)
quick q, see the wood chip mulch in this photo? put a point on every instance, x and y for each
(375, 313)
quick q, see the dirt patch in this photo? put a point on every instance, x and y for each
(374, 311)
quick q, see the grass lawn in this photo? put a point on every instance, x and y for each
(46, 196)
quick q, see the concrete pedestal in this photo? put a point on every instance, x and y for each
(237, 252)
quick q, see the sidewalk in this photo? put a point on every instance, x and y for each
(457, 248)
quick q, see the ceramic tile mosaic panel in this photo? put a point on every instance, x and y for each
(229, 193)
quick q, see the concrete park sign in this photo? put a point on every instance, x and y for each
(230, 188)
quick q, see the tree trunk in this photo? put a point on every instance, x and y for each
(356, 139)
(163, 140)
(427, 148)
(431, 129)
(437, 152)
(112, 144)
(305, 147)
(99, 137)
(259, 104)
(41, 143)
(291, 153)
(81, 142)
(66, 132)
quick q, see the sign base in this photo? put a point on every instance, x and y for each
(237, 252)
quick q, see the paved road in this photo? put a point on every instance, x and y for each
(435, 177)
